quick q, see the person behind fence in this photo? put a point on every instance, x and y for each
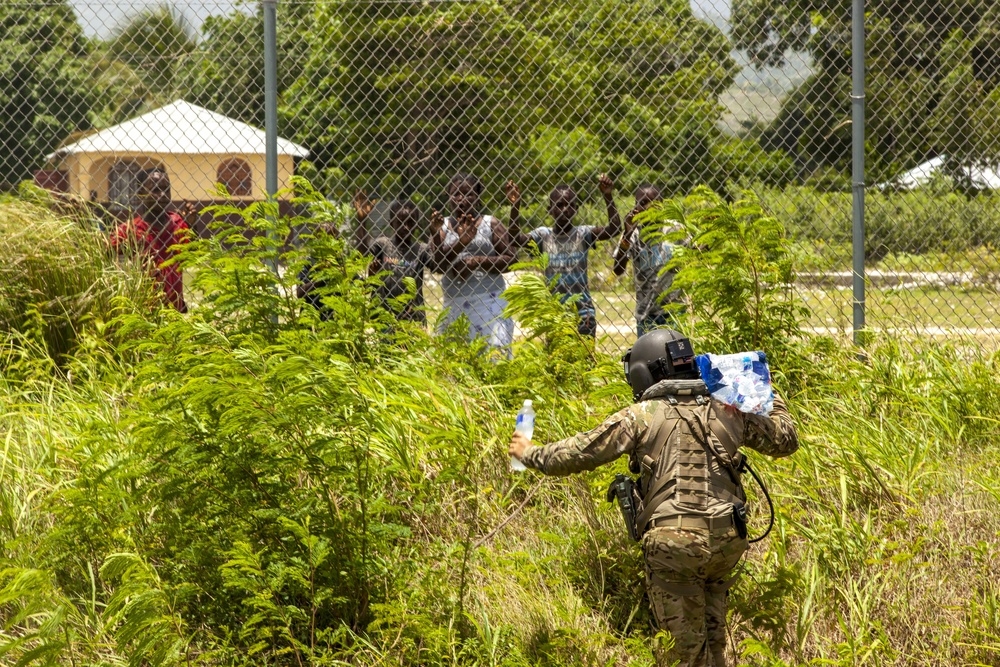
(310, 287)
(154, 232)
(567, 245)
(652, 282)
(472, 250)
(400, 256)
(691, 519)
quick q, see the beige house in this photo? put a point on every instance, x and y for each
(197, 148)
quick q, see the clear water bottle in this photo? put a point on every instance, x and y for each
(526, 427)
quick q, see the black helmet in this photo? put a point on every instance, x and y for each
(658, 355)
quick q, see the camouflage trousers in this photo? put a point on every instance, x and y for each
(687, 575)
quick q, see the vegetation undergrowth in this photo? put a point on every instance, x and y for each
(58, 276)
(251, 484)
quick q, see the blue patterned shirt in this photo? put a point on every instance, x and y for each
(568, 255)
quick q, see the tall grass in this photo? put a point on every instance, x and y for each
(220, 491)
(58, 276)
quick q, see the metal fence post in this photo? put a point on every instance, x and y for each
(858, 163)
(270, 8)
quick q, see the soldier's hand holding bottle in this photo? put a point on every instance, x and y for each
(518, 443)
(523, 431)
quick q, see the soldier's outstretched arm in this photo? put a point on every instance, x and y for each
(773, 434)
(618, 435)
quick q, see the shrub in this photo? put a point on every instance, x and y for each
(744, 161)
(247, 484)
(734, 269)
(916, 222)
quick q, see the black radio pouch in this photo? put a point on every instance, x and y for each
(740, 519)
(624, 490)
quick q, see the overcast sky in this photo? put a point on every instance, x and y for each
(99, 17)
(710, 7)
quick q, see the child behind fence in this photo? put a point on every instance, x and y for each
(567, 245)
(649, 260)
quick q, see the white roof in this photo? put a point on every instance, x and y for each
(981, 176)
(180, 127)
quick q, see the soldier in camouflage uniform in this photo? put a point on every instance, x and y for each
(686, 446)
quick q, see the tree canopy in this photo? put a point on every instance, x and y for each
(225, 73)
(398, 96)
(933, 68)
(44, 94)
(153, 42)
(404, 94)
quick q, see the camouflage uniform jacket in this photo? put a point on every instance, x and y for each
(694, 439)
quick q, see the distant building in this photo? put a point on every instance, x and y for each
(977, 176)
(197, 148)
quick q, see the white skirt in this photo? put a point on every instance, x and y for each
(484, 311)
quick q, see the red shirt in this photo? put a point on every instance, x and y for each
(138, 236)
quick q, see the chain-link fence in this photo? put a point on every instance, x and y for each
(394, 97)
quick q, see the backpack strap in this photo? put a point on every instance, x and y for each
(695, 448)
(662, 487)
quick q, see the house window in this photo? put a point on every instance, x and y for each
(235, 175)
(124, 179)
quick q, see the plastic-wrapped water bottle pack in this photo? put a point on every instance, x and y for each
(741, 380)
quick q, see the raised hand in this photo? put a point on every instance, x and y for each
(513, 192)
(606, 186)
(437, 222)
(189, 212)
(629, 227)
(630, 218)
(362, 205)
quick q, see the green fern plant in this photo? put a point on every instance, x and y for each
(734, 268)
(150, 630)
